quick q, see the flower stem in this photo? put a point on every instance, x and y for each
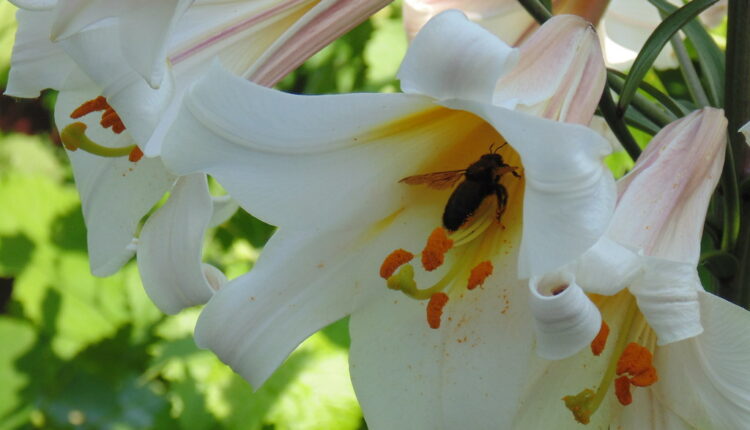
(737, 97)
(688, 72)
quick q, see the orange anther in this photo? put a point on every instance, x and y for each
(645, 378)
(634, 360)
(97, 104)
(111, 119)
(393, 261)
(136, 154)
(622, 390)
(435, 309)
(479, 273)
(433, 254)
(597, 345)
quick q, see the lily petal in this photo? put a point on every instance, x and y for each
(568, 45)
(143, 27)
(36, 5)
(454, 58)
(716, 362)
(115, 193)
(670, 218)
(171, 244)
(36, 63)
(408, 375)
(566, 320)
(607, 267)
(667, 295)
(569, 195)
(224, 207)
(229, 113)
(314, 279)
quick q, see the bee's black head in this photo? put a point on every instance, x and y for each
(493, 158)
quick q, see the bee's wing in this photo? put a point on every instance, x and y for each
(436, 180)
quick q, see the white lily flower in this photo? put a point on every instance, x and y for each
(676, 355)
(330, 172)
(258, 40)
(624, 27)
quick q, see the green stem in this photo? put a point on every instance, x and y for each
(737, 97)
(659, 115)
(537, 10)
(688, 72)
(617, 124)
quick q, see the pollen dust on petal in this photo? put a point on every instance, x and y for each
(479, 274)
(597, 345)
(622, 390)
(135, 155)
(435, 309)
(393, 261)
(434, 251)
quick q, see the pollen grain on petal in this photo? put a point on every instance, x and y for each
(393, 261)
(622, 390)
(97, 104)
(597, 345)
(434, 251)
(435, 309)
(479, 274)
(135, 155)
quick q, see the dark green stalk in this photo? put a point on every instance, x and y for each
(537, 10)
(737, 97)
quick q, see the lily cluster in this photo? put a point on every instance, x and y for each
(495, 274)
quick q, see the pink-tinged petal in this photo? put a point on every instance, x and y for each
(243, 135)
(670, 216)
(569, 46)
(36, 63)
(316, 29)
(506, 19)
(453, 58)
(468, 374)
(706, 379)
(565, 319)
(115, 193)
(303, 281)
(170, 247)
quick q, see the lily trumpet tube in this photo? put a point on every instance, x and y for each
(131, 62)
(668, 354)
(359, 183)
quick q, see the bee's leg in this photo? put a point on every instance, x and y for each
(514, 173)
(502, 200)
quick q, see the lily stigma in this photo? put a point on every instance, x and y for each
(74, 134)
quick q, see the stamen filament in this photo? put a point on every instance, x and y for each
(74, 137)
